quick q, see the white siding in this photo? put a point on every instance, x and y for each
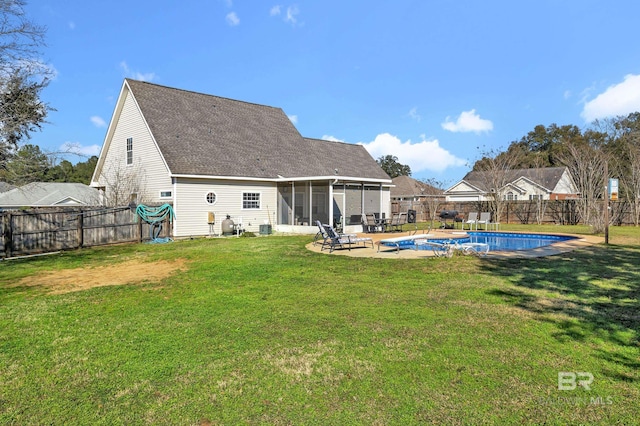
(462, 187)
(192, 209)
(456, 198)
(528, 188)
(148, 166)
(565, 185)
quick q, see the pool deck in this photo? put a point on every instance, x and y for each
(392, 253)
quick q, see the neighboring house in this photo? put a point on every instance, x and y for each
(410, 194)
(206, 154)
(407, 188)
(550, 183)
(50, 194)
(4, 187)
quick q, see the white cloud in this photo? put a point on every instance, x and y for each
(292, 13)
(275, 10)
(72, 25)
(78, 149)
(98, 121)
(620, 99)
(567, 94)
(232, 19)
(421, 156)
(331, 138)
(413, 113)
(135, 74)
(468, 121)
(293, 118)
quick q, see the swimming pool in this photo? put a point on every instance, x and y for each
(497, 241)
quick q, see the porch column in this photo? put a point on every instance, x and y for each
(380, 195)
(330, 203)
(293, 204)
(310, 204)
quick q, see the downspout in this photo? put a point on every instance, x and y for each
(175, 206)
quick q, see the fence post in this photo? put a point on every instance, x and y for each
(508, 205)
(140, 230)
(8, 235)
(80, 229)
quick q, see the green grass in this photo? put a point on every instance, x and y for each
(262, 331)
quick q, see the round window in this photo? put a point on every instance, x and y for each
(211, 198)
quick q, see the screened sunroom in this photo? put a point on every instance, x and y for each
(337, 202)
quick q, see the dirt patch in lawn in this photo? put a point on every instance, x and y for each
(131, 272)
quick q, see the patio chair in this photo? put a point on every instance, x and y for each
(485, 219)
(397, 220)
(333, 239)
(369, 223)
(472, 219)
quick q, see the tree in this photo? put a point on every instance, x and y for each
(495, 172)
(587, 161)
(67, 172)
(433, 197)
(22, 77)
(539, 148)
(624, 149)
(390, 165)
(123, 185)
(21, 111)
(29, 164)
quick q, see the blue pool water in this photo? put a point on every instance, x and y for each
(498, 241)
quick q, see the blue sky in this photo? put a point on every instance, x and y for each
(433, 82)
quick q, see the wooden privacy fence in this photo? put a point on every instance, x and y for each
(45, 230)
(561, 212)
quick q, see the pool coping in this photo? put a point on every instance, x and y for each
(390, 252)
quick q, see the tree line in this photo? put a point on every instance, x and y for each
(30, 164)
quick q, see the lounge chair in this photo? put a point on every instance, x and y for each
(448, 248)
(398, 241)
(322, 234)
(332, 239)
(472, 219)
(485, 219)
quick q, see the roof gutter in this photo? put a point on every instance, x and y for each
(285, 179)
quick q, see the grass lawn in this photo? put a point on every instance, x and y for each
(262, 331)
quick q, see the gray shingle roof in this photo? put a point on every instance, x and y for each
(38, 194)
(547, 177)
(206, 135)
(406, 186)
(4, 187)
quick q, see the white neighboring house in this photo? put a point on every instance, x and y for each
(210, 157)
(549, 183)
(50, 194)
